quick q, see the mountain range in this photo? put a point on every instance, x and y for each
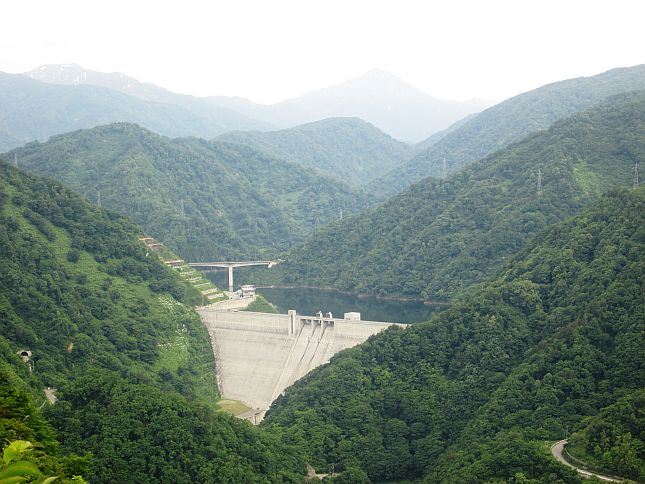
(439, 236)
(535, 236)
(207, 200)
(508, 122)
(377, 97)
(34, 110)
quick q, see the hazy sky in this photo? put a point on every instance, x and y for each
(269, 50)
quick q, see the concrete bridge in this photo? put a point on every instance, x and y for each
(231, 265)
(259, 355)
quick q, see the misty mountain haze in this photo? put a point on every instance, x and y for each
(392, 105)
(34, 110)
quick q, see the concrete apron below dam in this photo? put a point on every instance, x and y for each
(259, 355)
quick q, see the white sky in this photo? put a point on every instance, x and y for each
(269, 50)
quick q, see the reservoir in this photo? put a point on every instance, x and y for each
(310, 301)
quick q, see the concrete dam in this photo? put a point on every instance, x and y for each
(259, 355)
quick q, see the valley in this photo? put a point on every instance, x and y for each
(443, 311)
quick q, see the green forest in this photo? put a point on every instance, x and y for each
(438, 237)
(347, 149)
(106, 329)
(534, 243)
(554, 343)
(205, 200)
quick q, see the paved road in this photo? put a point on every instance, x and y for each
(556, 450)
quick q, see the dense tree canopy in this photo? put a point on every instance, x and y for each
(105, 329)
(348, 149)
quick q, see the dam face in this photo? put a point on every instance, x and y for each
(259, 355)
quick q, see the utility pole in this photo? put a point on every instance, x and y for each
(444, 170)
(636, 182)
(539, 183)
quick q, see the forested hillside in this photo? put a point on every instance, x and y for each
(476, 394)
(205, 200)
(510, 121)
(345, 148)
(440, 236)
(33, 110)
(103, 326)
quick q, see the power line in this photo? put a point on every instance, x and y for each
(636, 181)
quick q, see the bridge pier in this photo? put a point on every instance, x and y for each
(231, 265)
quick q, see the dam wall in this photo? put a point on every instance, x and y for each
(259, 355)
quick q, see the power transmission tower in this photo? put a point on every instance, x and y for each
(444, 170)
(636, 182)
(15, 159)
(98, 197)
(539, 183)
(341, 214)
(183, 212)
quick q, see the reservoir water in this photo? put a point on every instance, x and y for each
(310, 301)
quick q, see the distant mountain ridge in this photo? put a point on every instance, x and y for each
(509, 121)
(378, 97)
(34, 110)
(349, 149)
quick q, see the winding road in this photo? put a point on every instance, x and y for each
(556, 450)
